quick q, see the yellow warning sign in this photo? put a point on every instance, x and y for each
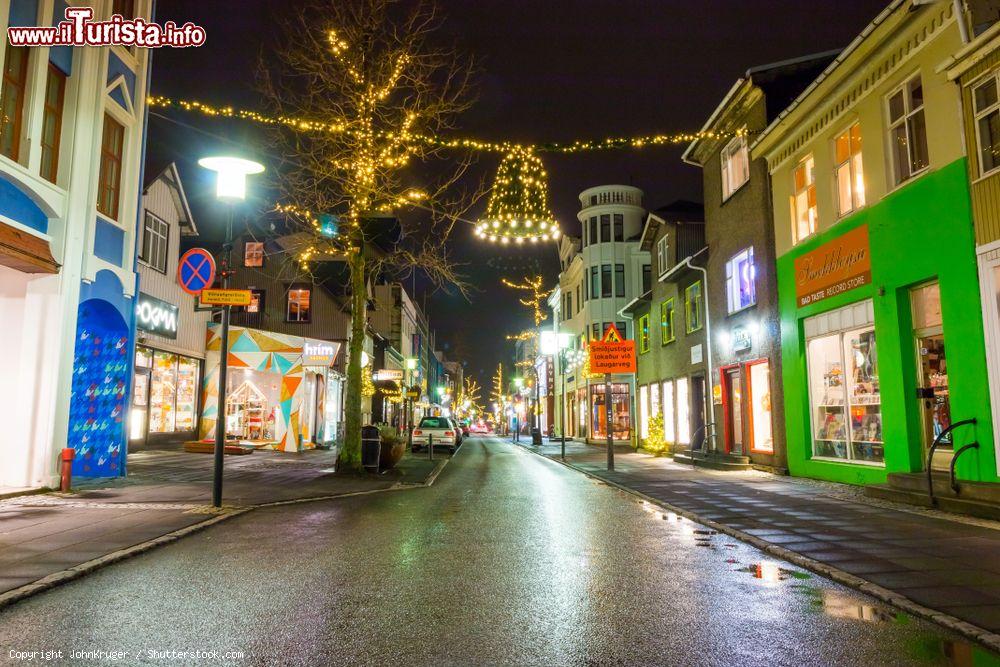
(612, 335)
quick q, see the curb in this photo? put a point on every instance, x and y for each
(15, 595)
(990, 640)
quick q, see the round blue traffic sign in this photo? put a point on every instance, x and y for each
(196, 271)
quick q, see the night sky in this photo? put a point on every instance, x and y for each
(553, 70)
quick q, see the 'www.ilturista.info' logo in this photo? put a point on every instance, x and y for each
(79, 30)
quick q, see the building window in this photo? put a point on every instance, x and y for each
(759, 389)
(804, 200)
(298, 309)
(692, 307)
(844, 386)
(124, 8)
(109, 181)
(621, 329)
(595, 286)
(620, 413)
(644, 334)
(987, 110)
(644, 412)
(741, 277)
(619, 221)
(662, 254)
(605, 228)
(579, 302)
(735, 166)
(596, 331)
(15, 85)
(683, 412)
(907, 130)
(667, 322)
(619, 280)
(850, 174)
(605, 280)
(155, 241)
(256, 301)
(569, 307)
(52, 115)
(593, 230)
(253, 254)
(647, 278)
(668, 412)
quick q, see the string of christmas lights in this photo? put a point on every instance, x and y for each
(518, 207)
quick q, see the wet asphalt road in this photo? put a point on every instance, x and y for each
(507, 559)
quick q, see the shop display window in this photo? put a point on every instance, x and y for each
(644, 414)
(187, 394)
(165, 392)
(621, 417)
(845, 397)
(683, 412)
(654, 400)
(668, 412)
(759, 383)
(162, 392)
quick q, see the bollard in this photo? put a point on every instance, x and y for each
(66, 480)
(430, 446)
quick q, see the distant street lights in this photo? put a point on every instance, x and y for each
(231, 187)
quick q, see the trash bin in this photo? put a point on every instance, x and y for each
(536, 437)
(371, 446)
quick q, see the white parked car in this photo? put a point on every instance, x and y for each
(443, 431)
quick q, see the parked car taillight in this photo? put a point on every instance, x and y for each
(449, 434)
(418, 432)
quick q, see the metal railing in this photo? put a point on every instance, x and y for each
(934, 445)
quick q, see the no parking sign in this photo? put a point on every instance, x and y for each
(196, 271)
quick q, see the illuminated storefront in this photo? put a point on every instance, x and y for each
(165, 395)
(620, 411)
(281, 391)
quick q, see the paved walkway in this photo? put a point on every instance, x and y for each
(165, 491)
(944, 562)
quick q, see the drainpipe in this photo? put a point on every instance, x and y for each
(963, 27)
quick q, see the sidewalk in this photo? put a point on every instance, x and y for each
(166, 491)
(944, 562)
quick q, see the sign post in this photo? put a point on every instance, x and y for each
(612, 354)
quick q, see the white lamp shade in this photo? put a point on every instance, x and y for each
(231, 175)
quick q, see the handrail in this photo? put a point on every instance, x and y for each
(934, 445)
(961, 450)
(694, 436)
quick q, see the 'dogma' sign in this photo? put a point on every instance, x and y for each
(835, 267)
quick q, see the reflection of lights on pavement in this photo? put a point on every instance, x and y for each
(839, 605)
(768, 572)
(671, 516)
(687, 528)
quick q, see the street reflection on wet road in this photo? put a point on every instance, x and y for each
(507, 559)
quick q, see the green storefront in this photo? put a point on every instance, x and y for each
(882, 339)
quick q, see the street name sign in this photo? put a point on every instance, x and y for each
(225, 297)
(613, 354)
(196, 271)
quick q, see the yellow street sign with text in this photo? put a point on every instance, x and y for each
(225, 297)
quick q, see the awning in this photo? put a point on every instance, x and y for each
(25, 252)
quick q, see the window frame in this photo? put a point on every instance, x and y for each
(667, 323)
(108, 157)
(858, 202)
(595, 282)
(607, 288)
(662, 253)
(261, 301)
(57, 112)
(725, 160)
(246, 247)
(147, 230)
(619, 281)
(646, 278)
(644, 334)
(594, 239)
(288, 304)
(809, 186)
(978, 115)
(904, 120)
(697, 309)
(21, 86)
(605, 228)
(618, 227)
(733, 305)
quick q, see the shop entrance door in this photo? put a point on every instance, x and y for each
(138, 429)
(698, 412)
(733, 391)
(932, 372)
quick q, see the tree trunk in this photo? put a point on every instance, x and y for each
(350, 455)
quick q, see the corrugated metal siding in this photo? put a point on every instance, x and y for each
(191, 325)
(985, 192)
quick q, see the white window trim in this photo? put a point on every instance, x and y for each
(166, 241)
(732, 287)
(725, 160)
(890, 126)
(978, 115)
(795, 194)
(662, 254)
(855, 207)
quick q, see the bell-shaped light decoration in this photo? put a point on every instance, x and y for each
(519, 202)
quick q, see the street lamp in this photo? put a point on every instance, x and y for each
(518, 384)
(411, 365)
(231, 188)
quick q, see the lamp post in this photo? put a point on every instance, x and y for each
(231, 187)
(518, 385)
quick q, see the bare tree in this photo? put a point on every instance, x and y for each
(376, 94)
